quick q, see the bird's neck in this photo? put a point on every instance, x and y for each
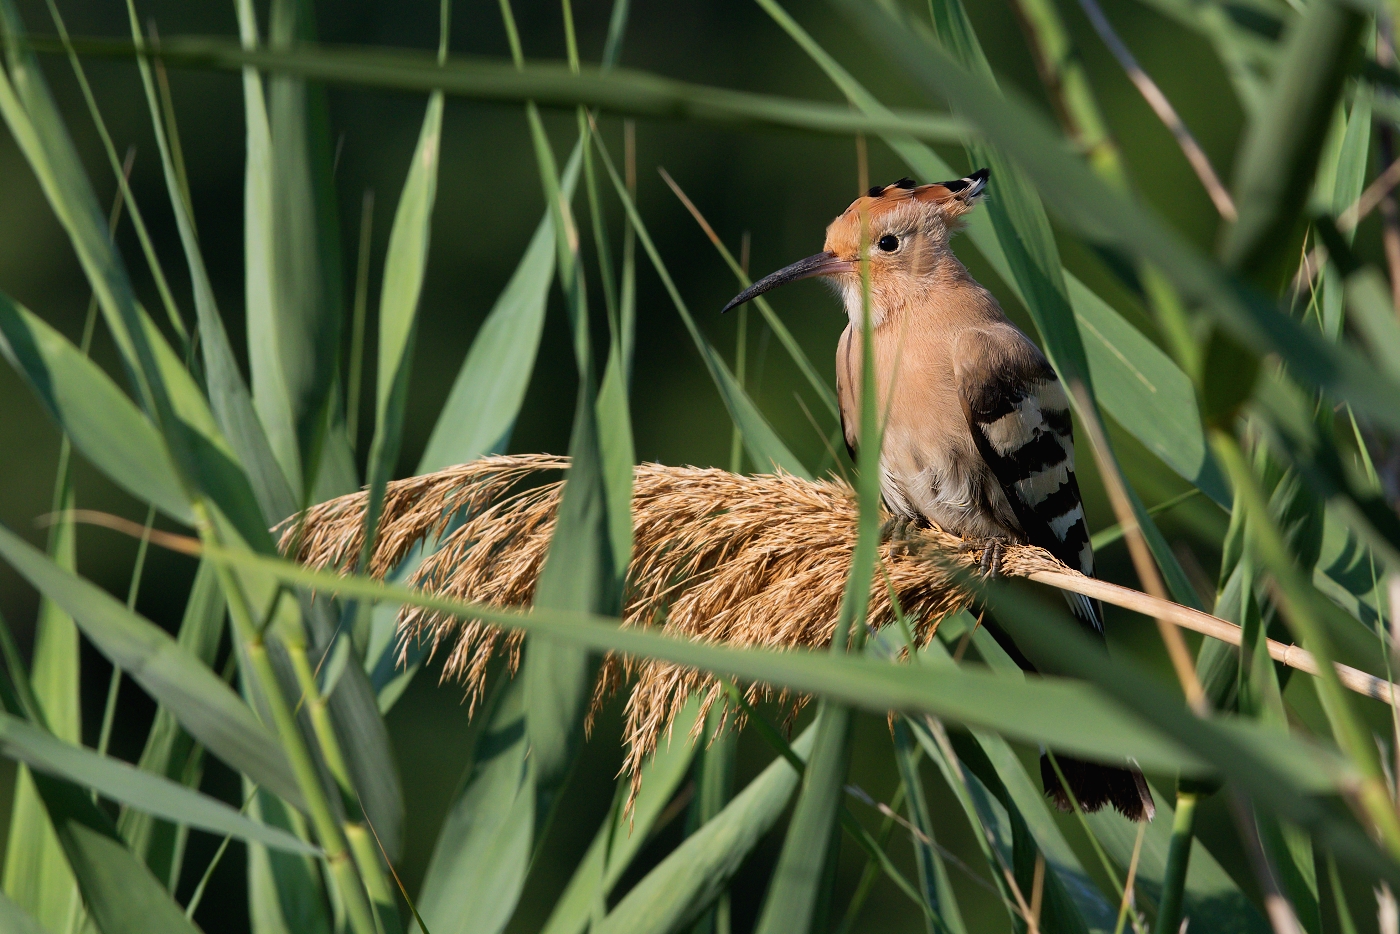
(947, 289)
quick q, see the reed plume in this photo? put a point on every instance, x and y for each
(755, 561)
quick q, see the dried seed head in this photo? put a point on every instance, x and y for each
(755, 561)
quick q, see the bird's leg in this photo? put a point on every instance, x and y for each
(993, 550)
(896, 531)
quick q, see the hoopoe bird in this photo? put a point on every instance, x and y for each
(977, 432)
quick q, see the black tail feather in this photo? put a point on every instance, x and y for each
(1095, 785)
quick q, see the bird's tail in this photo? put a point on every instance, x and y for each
(1095, 785)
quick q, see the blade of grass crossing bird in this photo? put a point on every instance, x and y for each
(1054, 711)
(793, 892)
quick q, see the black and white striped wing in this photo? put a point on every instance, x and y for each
(1020, 420)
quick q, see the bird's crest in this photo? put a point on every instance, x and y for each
(903, 202)
(956, 197)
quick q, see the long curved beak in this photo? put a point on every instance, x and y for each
(822, 264)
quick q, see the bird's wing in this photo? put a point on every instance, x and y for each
(1019, 417)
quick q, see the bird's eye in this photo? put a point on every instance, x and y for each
(889, 243)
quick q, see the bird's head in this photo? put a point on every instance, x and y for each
(904, 226)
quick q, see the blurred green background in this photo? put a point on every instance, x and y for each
(781, 187)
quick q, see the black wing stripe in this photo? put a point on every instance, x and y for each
(1072, 545)
(1058, 421)
(1040, 453)
(998, 406)
(1062, 502)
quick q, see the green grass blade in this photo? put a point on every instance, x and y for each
(305, 244)
(490, 387)
(119, 892)
(15, 919)
(104, 425)
(368, 751)
(111, 778)
(478, 867)
(603, 865)
(204, 704)
(933, 875)
(269, 385)
(1210, 898)
(765, 448)
(36, 872)
(171, 751)
(1279, 153)
(795, 889)
(581, 571)
(228, 395)
(620, 91)
(1103, 216)
(1055, 711)
(689, 879)
(1339, 182)
(286, 894)
(1049, 640)
(404, 266)
(793, 892)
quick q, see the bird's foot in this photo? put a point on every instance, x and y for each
(993, 550)
(897, 533)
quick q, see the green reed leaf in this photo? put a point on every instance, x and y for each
(693, 875)
(203, 703)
